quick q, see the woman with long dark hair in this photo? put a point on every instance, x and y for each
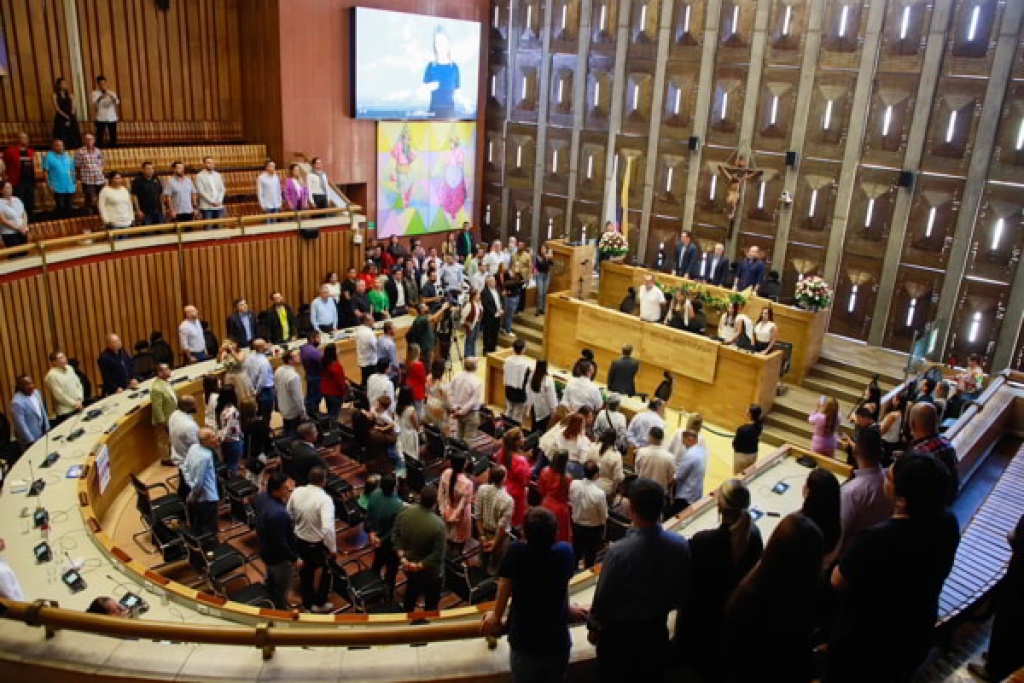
(455, 502)
(780, 591)
(65, 118)
(229, 428)
(518, 471)
(554, 490)
(821, 505)
(256, 433)
(746, 441)
(540, 396)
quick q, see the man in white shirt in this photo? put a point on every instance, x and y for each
(65, 388)
(323, 312)
(581, 391)
(268, 189)
(589, 515)
(366, 348)
(316, 181)
(379, 385)
(288, 387)
(261, 377)
(642, 423)
(517, 374)
(104, 106)
(494, 258)
(689, 474)
(10, 588)
(478, 278)
(510, 253)
(654, 462)
(610, 419)
(313, 512)
(210, 187)
(191, 337)
(182, 429)
(466, 391)
(651, 301)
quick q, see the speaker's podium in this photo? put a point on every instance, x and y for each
(572, 267)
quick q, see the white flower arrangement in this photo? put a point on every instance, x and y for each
(613, 244)
(813, 292)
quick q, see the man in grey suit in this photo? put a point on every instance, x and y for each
(716, 265)
(687, 259)
(28, 412)
(622, 373)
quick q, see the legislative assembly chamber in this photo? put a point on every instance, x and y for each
(512, 340)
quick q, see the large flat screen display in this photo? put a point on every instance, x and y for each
(412, 66)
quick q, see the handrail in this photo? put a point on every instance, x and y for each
(263, 636)
(976, 406)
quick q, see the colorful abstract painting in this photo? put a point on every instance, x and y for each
(425, 176)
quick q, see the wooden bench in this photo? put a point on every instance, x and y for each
(129, 159)
(983, 554)
(67, 227)
(137, 132)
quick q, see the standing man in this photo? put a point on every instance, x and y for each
(281, 319)
(146, 193)
(634, 595)
(422, 332)
(89, 167)
(59, 168)
(312, 359)
(65, 388)
(387, 349)
(581, 391)
(924, 428)
(183, 433)
(687, 258)
(714, 269)
(640, 425)
(210, 187)
(382, 510)
(493, 512)
(420, 538)
(191, 337)
(163, 402)
(654, 461)
(261, 376)
(517, 375)
(200, 470)
(28, 413)
(366, 348)
(323, 312)
(115, 204)
(241, 324)
(313, 512)
(751, 270)
(464, 245)
(651, 301)
(589, 515)
(398, 294)
(690, 470)
(180, 195)
(288, 387)
(494, 309)
(863, 502)
(466, 391)
(622, 372)
(275, 532)
(104, 107)
(116, 368)
(452, 276)
(19, 160)
(316, 179)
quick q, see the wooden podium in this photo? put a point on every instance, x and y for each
(572, 268)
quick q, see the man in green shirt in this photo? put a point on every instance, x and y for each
(163, 402)
(419, 537)
(382, 508)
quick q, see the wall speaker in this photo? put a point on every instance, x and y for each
(791, 158)
(694, 143)
(906, 179)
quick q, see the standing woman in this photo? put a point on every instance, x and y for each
(229, 429)
(441, 78)
(892, 427)
(438, 399)
(518, 471)
(408, 424)
(333, 381)
(333, 283)
(766, 332)
(65, 119)
(59, 167)
(416, 379)
(472, 313)
(745, 442)
(554, 490)
(542, 266)
(296, 194)
(13, 219)
(211, 392)
(455, 502)
(541, 396)
(825, 422)
(821, 505)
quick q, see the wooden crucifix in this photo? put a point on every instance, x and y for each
(738, 176)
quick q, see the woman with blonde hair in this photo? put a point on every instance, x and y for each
(825, 423)
(233, 360)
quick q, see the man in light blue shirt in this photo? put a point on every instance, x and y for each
(200, 472)
(28, 412)
(690, 473)
(387, 350)
(59, 167)
(323, 312)
(640, 427)
(452, 275)
(261, 376)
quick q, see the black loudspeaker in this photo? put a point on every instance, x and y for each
(163, 5)
(791, 159)
(694, 143)
(906, 179)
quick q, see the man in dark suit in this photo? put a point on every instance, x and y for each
(281, 320)
(622, 373)
(464, 245)
(687, 260)
(716, 266)
(494, 308)
(751, 270)
(242, 324)
(116, 367)
(305, 455)
(398, 294)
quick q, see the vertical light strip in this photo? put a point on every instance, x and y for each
(529, 18)
(951, 126)
(523, 97)
(597, 94)
(911, 309)
(565, 15)
(668, 181)
(1020, 136)
(886, 121)
(869, 212)
(590, 167)
(725, 104)
(905, 22)
(490, 151)
(554, 161)
(775, 110)
(494, 85)
(561, 87)
(997, 233)
(604, 17)
(972, 336)
(714, 186)
(519, 156)
(679, 102)
(972, 30)
(844, 16)
(852, 302)
(813, 204)
(735, 18)
(636, 96)
(686, 20)
(828, 115)
(643, 19)
(496, 21)
(786, 20)
(760, 195)
(931, 222)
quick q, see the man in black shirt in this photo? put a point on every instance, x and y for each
(305, 455)
(116, 367)
(890, 578)
(147, 193)
(622, 372)
(275, 532)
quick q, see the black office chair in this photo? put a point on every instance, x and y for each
(253, 594)
(212, 562)
(469, 582)
(303, 321)
(160, 516)
(238, 493)
(364, 589)
(787, 364)
(143, 362)
(161, 350)
(210, 340)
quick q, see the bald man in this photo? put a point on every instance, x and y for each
(200, 472)
(924, 423)
(116, 367)
(191, 337)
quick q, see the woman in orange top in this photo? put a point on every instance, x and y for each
(554, 488)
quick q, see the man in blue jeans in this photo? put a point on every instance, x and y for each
(513, 292)
(210, 188)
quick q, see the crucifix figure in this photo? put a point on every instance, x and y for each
(738, 176)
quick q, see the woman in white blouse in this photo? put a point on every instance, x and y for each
(541, 396)
(570, 435)
(333, 283)
(609, 462)
(729, 323)
(766, 333)
(268, 188)
(13, 220)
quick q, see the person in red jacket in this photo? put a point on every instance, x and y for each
(333, 381)
(19, 159)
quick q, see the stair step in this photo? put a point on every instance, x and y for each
(865, 373)
(854, 380)
(528, 335)
(528, 319)
(842, 393)
(782, 408)
(772, 437)
(533, 350)
(798, 427)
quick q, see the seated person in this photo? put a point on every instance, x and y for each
(969, 385)
(628, 304)
(680, 311)
(771, 288)
(698, 322)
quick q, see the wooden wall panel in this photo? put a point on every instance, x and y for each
(24, 333)
(37, 53)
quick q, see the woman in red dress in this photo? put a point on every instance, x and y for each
(517, 472)
(416, 378)
(554, 489)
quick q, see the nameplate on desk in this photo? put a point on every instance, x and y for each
(602, 327)
(685, 354)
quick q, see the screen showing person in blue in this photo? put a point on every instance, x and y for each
(410, 66)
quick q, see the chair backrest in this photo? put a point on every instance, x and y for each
(142, 502)
(162, 352)
(211, 341)
(196, 554)
(144, 365)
